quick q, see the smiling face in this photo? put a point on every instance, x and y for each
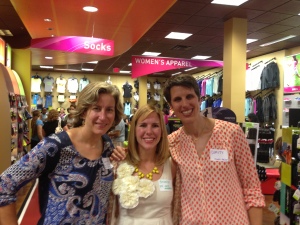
(99, 117)
(148, 132)
(185, 103)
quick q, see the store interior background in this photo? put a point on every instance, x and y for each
(139, 26)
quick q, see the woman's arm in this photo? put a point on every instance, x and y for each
(8, 215)
(255, 216)
(40, 132)
(43, 132)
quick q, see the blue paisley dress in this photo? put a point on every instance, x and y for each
(73, 189)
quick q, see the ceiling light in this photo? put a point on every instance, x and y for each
(191, 68)
(249, 40)
(130, 64)
(201, 57)
(279, 40)
(248, 50)
(48, 57)
(125, 71)
(178, 35)
(46, 67)
(229, 2)
(5, 32)
(175, 74)
(90, 9)
(47, 20)
(87, 69)
(151, 53)
(93, 62)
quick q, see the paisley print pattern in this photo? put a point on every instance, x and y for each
(73, 189)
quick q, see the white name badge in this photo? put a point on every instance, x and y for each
(107, 163)
(219, 155)
(165, 185)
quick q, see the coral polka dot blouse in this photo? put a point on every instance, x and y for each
(216, 191)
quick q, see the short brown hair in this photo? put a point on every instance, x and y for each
(162, 150)
(183, 80)
(89, 96)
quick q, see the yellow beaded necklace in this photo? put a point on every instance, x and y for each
(148, 175)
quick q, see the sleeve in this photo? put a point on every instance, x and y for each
(39, 122)
(29, 167)
(246, 171)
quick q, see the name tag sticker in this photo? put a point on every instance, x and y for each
(165, 185)
(107, 163)
(219, 155)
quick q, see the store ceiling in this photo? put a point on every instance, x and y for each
(137, 26)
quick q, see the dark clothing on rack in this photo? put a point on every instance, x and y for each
(270, 76)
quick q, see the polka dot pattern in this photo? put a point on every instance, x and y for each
(216, 192)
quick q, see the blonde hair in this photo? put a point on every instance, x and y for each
(90, 95)
(162, 149)
(53, 115)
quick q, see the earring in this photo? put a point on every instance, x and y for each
(83, 122)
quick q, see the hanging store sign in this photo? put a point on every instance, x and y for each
(86, 45)
(144, 65)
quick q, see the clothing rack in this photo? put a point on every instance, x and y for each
(270, 60)
(269, 92)
(256, 64)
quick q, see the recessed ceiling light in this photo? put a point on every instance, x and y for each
(5, 32)
(52, 35)
(87, 69)
(178, 35)
(248, 50)
(90, 9)
(279, 40)
(125, 71)
(48, 57)
(191, 69)
(249, 40)
(46, 67)
(47, 20)
(93, 62)
(229, 2)
(130, 64)
(201, 57)
(151, 53)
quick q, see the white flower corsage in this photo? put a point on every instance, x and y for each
(130, 187)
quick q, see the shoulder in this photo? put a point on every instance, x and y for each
(39, 122)
(174, 137)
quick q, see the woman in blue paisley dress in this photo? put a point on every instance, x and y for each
(73, 167)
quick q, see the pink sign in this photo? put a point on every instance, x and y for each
(86, 45)
(144, 65)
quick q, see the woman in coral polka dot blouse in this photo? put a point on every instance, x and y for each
(217, 176)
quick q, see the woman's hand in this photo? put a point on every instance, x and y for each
(118, 154)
